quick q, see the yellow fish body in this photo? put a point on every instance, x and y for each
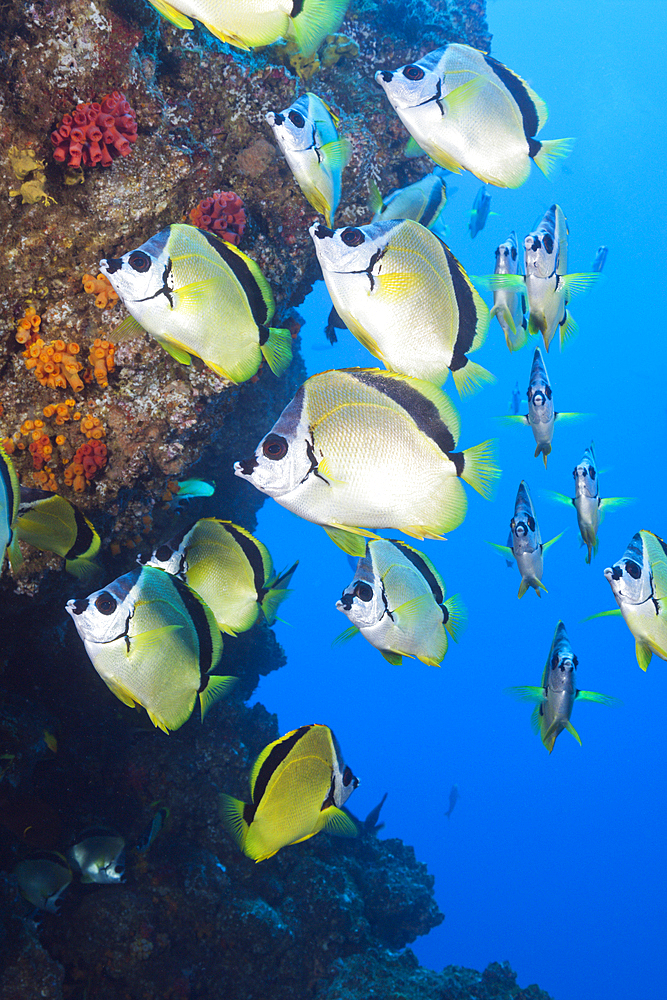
(197, 295)
(10, 492)
(639, 583)
(297, 786)
(250, 23)
(53, 524)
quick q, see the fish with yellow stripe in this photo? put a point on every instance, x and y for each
(298, 785)
(406, 298)
(308, 138)
(422, 201)
(358, 449)
(154, 643)
(470, 112)
(10, 493)
(230, 570)
(249, 24)
(198, 295)
(53, 524)
(397, 602)
(558, 692)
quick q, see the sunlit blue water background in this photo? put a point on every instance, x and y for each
(556, 863)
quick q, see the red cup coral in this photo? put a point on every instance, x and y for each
(222, 214)
(94, 131)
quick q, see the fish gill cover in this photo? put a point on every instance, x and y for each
(193, 917)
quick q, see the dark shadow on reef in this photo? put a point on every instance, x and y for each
(194, 917)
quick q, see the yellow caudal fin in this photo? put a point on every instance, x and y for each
(171, 14)
(480, 470)
(231, 812)
(551, 152)
(277, 592)
(471, 378)
(278, 349)
(643, 654)
(458, 617)
(316, 20)
(216, 688)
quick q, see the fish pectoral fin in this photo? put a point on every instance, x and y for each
(536, 719)
(350, 540)
(551, 541)
(345, 636)
(337, 153)
(504, 550)
(413, 149)
(216, 688)
(231, 812)
(375, 202)
(148, 642)
(571, 417)
(573, 732)
(409, 614)
(558, 497)
(575, 284)
(130, 327)
(394, 658)
(323, 471)
(611, 503)
(512, 419)
(171, 14)
(397, 284)
(526, 692)
(499, 282)
(458, 617)
(568, 330)
(277, 350)
(550, 152)
(338, 822)
(599, 699)
(644, 654)
(615, 612)
(471, 378)
(460, 100)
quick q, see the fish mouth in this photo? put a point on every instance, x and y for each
(383, 76)
(111, 264)
(246, 466)
(320, 231)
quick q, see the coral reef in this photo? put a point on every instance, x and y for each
(93, 131)
(222, 214)
(104, 292)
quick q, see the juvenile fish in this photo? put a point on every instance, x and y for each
(525, 543)
(509, 304)
(422, 201)
(469, 112)
(53, 524)
(541, 415)
(479, 212)
(308, 138)
(98, 856)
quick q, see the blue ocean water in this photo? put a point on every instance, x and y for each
(554, 862)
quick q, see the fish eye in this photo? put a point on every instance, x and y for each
(531, 522)
(352, 237)
(514, 253)
(547, 243)
(413, 72)
(139, 261)
(575, 661)
(548, 392)
(164, 553)
(347, 776)
(363, 591)
(106, 604)
(274, 447)
(296, 119)
(632, 569)
(591, 472)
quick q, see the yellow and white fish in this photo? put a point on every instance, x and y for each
(297, 787)
(558, 693)
(307, 135)
(154, 643)
(230, 570)
(422, 201)
(525, 543)
(406, 298)
(252, 23)
(469, 112)
(43, 878)
(359, 448)
(589, 505)
(10, 493)
(99, 856)
(198, 295)
(397, 602)
(639, 583)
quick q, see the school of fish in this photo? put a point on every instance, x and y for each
(357, 450)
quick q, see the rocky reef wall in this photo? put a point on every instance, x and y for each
(194, 917)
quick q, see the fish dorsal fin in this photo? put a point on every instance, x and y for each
(424, 565)
(216, 688)
(345, 636)
(249, 276)
(126, 330)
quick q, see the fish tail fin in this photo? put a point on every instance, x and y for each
(276, 594)
(231, 812)
(316, 20)
(458, 617)
(480, 470)
(544, 450)
(277, 349)
(550, 152)
(471, 378)
(216, 688)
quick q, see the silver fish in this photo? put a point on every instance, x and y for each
(541, 415)
(525, 542)
(509, 304)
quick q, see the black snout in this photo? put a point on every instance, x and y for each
(278, 119)
(616, 572)
(80, 605)
(387, 77)
(323, 233)
(113, 264)
(346, 601)
(248, 465)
